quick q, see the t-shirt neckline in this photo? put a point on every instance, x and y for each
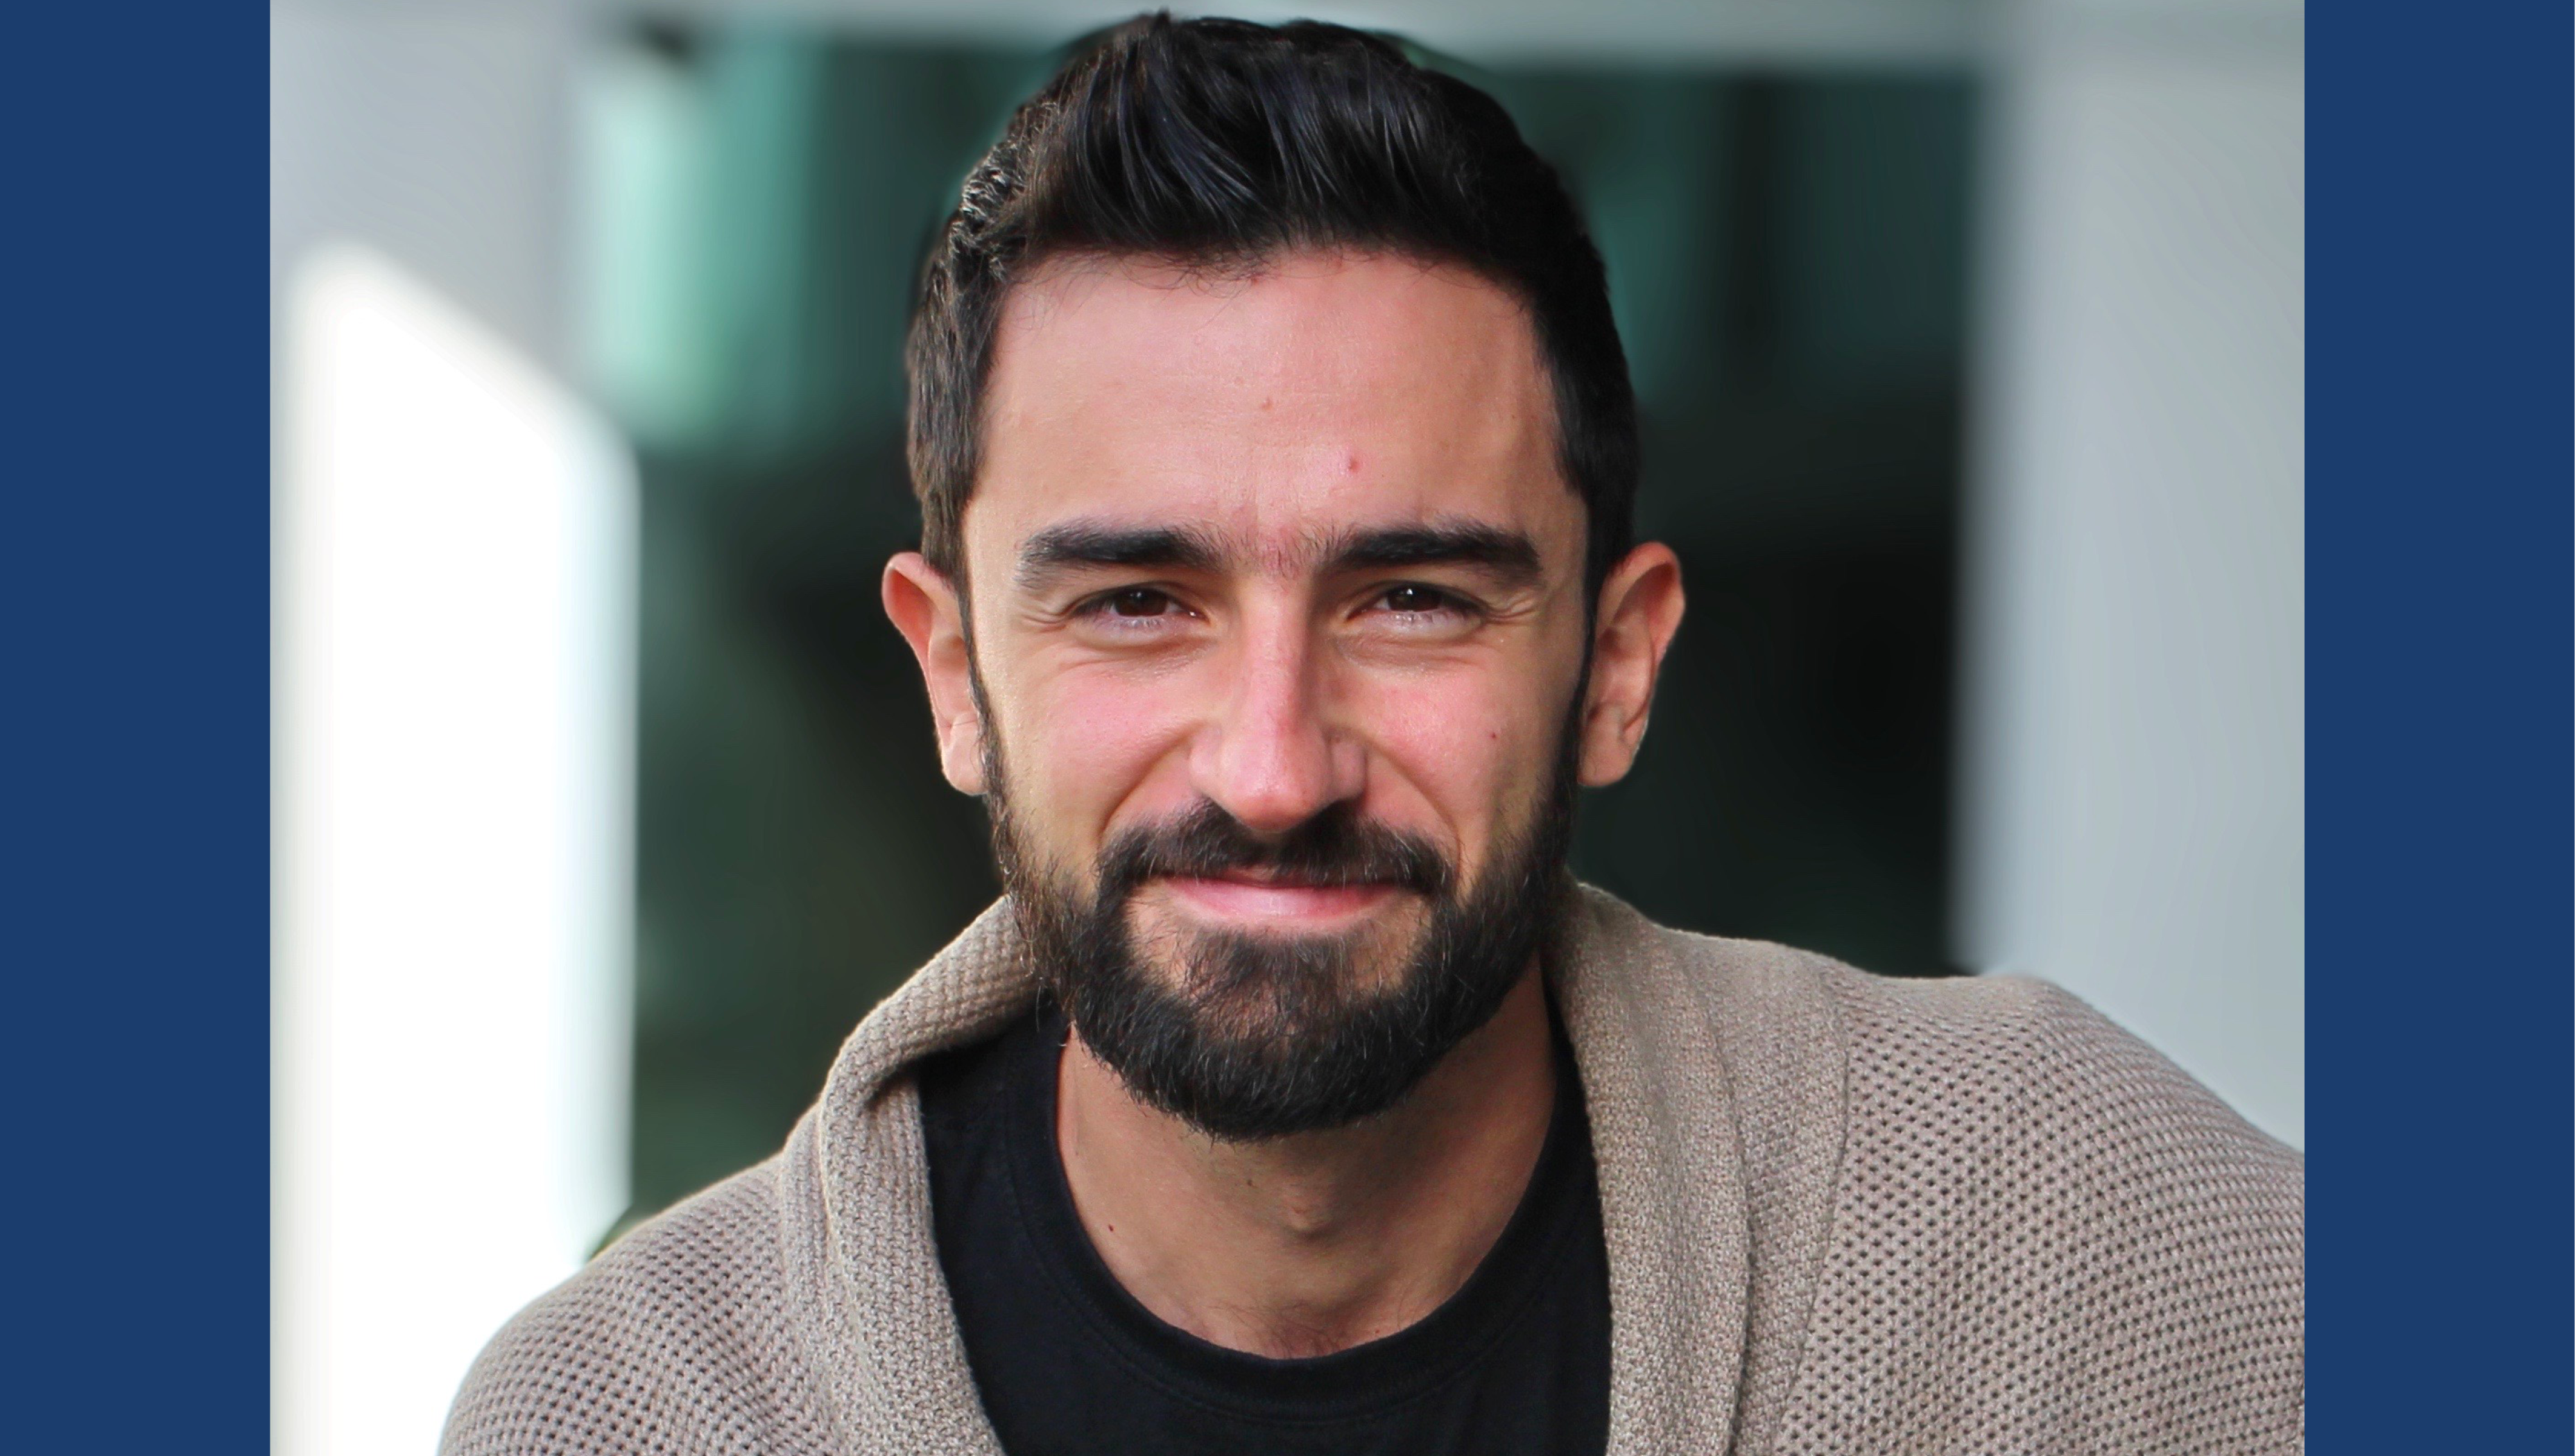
(1363, 1381)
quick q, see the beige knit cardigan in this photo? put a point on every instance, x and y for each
(1843, 1214)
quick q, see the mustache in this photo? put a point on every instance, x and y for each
(1335, 847)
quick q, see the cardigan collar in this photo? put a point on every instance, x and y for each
(1652, 1048)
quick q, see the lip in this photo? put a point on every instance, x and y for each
(1305, 906)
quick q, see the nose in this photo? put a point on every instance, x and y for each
(1270, 754)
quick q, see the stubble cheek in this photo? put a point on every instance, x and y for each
(1474, 751)
(1096, 742)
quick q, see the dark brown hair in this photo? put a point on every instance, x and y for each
(1220, 143)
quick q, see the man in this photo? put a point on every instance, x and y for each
(1276, 451)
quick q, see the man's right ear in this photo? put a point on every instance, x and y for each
(922, 605)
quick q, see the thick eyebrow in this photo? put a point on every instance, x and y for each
(1508, 556)
(1073, 544)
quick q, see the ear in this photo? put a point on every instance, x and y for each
(1639, 609)
(924, 606)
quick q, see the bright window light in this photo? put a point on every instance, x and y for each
(454, 766)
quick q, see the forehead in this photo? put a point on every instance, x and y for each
(1321, 394)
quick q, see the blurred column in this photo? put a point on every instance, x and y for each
(455, 543)
(2134, 751)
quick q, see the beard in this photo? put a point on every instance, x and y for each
(1249, 1036)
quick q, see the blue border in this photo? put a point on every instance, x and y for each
(134, 591)
(134, 588)
(2442, 506)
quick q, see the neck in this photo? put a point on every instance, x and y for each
(1301, 1246)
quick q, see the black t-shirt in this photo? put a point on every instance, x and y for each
(1516, 1361)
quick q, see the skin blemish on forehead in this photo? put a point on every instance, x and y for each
(1352, 464)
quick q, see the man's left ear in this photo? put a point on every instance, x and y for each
(1639, 608)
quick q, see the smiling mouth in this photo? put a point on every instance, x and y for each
(1250, 897)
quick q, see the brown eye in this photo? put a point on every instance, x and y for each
(1414, 598)
(1140, 601)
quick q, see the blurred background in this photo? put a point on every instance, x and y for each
(1968, 337)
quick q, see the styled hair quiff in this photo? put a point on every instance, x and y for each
(1219, 144)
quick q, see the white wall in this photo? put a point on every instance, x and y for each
(454, 633)
(434, 133)
(2134, 762)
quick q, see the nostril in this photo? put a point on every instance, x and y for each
(1267, 756)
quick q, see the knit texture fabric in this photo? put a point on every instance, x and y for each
(1843, 1214)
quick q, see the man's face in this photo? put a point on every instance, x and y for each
(1278, 621)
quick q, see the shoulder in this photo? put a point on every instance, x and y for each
(2009, 1061)
(2034, 1232)
(1959, 1062)
(1967, 1058)
(2034, 1190)
(1988, 1077)
(677, 1337)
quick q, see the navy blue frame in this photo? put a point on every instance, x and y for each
(2441, 507)
(134, 588)
(134, 591)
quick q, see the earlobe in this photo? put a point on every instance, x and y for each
(924, 606)
(1639, 609)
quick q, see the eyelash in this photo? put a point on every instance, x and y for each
(1442, 603)
(1103, 608)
